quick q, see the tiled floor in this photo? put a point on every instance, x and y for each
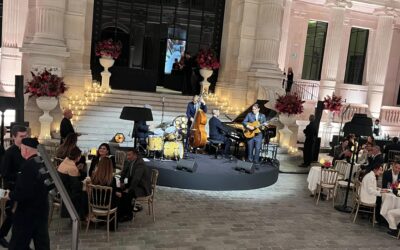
(282, 216)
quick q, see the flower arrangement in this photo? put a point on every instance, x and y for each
(289, 104)
(327, 164)
(207, 59)
(45, 84)
(108, 48)
(333, 104)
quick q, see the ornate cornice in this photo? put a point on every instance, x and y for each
(387, 11)
(339, 3)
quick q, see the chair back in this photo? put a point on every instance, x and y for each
(119, 158)
(393, 155)
(154, 178)
(329, 176)
(99, 197)
(341, 166)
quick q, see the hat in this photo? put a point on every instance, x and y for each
(30, 142)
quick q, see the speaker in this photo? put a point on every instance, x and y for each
(188, 165)
(243, 166)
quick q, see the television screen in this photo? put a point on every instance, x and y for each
(175, 50)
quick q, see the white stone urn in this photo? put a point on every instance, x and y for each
(285, 134)
(205, 85)
(46, 103)
(106, 62)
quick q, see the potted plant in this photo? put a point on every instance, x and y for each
(288, 106)
(207, 61)
(47, 87)
(109, 51)
(332, 105)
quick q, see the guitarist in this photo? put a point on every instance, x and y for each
(254, 144)
(218, 131)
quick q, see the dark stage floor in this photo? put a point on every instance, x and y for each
(214, 174)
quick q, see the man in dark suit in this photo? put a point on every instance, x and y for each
(218, 132)
(196, 103)
(135, 182)
(311, 134)
(141, 132)
(66, 127)
(392, 175)
(254, 144)
(377, 159)
(394, 145)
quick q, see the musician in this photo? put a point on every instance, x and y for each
(255, 142)
(141, 130)
(196, 103)
(218, 132)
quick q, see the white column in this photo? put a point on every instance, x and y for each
(12, 35)
(297, 42)
(380, 59)
(285, 34)
(265, 77)
(332, 46)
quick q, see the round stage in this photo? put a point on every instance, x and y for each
(214, 174)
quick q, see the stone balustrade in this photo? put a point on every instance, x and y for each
(306, 89)
(349, 109)
(390, 115)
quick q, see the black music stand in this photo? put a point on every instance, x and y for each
(136, 114)
(360, 125)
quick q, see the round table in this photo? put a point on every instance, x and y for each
(389, 202)
(314, 177)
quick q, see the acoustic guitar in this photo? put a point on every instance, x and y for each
(248, 133)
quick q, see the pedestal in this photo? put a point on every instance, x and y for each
(46, 104)
(327, 130)
(106, 62)
(286, 134)
(205, 84)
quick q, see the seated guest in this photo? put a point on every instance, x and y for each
(391, 176)
(370, 140)
(218, 132)
(394, 145)
(376, 160)
(365, 154)
(369, 189)
(343, 152)
(135, 182)
(70, 177)
(393, 218)
(102, 152)
(65, 148)
(103, 176)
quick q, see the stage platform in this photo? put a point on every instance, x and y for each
(214, 174)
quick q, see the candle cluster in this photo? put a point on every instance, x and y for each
(223, 104)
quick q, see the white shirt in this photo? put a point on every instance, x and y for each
(257, 116)
(394, 177)
(369, 189)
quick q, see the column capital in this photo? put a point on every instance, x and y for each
(387, 11)
(339, 3)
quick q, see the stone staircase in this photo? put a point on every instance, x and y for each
(99, 121)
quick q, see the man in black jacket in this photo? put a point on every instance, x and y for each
(10, 167)
(66, 127)
(377, 159)
(394, 145)
(218, 132)
(31, 195)
(135, 182)
(391, 176)
(310, 133)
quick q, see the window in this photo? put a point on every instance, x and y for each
(314, 51)
(356, 56)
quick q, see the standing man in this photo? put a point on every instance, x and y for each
(136, 182)
(10, 167)
(66, 127)
(376, 128)
(311, 134)
(218, 132)
(254, 144)
(31, 196)
(196, 103)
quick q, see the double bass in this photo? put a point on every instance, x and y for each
(198, 134)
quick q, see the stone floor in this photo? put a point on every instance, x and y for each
(282, 216)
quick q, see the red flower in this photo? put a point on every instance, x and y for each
(289, 104)
(45, 84)
(207, 59)
(327, 164)
(109, 48)
(333, 103)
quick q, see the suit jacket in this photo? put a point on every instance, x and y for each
(310, 132)
(140, 129)
(392, 146)
(377, 160)
(251, 117)
(66, 128)
(139, 178)
(191, 110)
(387, 177)
(216, 129)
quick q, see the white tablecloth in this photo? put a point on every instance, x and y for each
(314, 177)
(389, 202)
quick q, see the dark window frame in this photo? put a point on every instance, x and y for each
(354, 74)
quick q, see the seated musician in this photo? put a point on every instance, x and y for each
(217, 132)
(196, 103)
(141, 131)
(254, 144)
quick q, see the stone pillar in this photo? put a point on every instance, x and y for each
(332, 46)
(285, 35)
(12, 36)
(297, 42)
(380, 59)
(265, 77)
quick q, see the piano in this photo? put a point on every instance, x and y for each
(235, 127)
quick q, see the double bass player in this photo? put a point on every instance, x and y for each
(192, 107)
